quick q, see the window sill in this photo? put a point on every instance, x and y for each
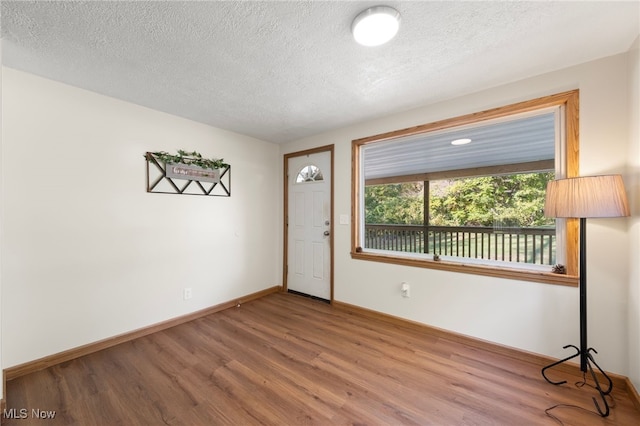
(474, 269)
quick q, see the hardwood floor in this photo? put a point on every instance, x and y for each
(288, 360)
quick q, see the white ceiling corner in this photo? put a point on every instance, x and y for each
(280, 71)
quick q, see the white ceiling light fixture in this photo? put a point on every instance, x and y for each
(376, 25)
(462, 141)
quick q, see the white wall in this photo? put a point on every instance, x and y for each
(88, 254)
(1, 234)
(633, 190)
(540, 318)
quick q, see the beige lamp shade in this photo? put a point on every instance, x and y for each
(587, 196)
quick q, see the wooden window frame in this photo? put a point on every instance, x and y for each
(570, 102)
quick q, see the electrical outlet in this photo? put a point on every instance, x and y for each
(186, 293)
(405, 290)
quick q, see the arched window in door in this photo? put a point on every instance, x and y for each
(309, 173)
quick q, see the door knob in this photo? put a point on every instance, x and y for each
(326, 233)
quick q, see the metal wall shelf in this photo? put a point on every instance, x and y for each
(159, 183)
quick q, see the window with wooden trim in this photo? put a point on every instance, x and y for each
(466, 194)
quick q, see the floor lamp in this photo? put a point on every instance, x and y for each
(586, 197)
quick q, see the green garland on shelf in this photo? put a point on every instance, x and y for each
(190, 158)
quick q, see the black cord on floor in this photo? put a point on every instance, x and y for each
(579, 385)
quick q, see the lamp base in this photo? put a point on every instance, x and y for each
(586, 364)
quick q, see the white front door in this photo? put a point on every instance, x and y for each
(309, 224)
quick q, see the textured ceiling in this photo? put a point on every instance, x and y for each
(280, 71)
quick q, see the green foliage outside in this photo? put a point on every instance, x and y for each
(394, 204)
(508, 200)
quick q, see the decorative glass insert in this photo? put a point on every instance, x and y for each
(309, 173)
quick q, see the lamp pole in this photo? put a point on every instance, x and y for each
(584, 352)
(583, 294)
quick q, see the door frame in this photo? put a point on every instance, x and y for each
(285, 216)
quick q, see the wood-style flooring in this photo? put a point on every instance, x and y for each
(288, 360)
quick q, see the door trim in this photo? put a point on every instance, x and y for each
(285, 216)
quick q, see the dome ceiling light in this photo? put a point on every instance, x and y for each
(376, 25)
